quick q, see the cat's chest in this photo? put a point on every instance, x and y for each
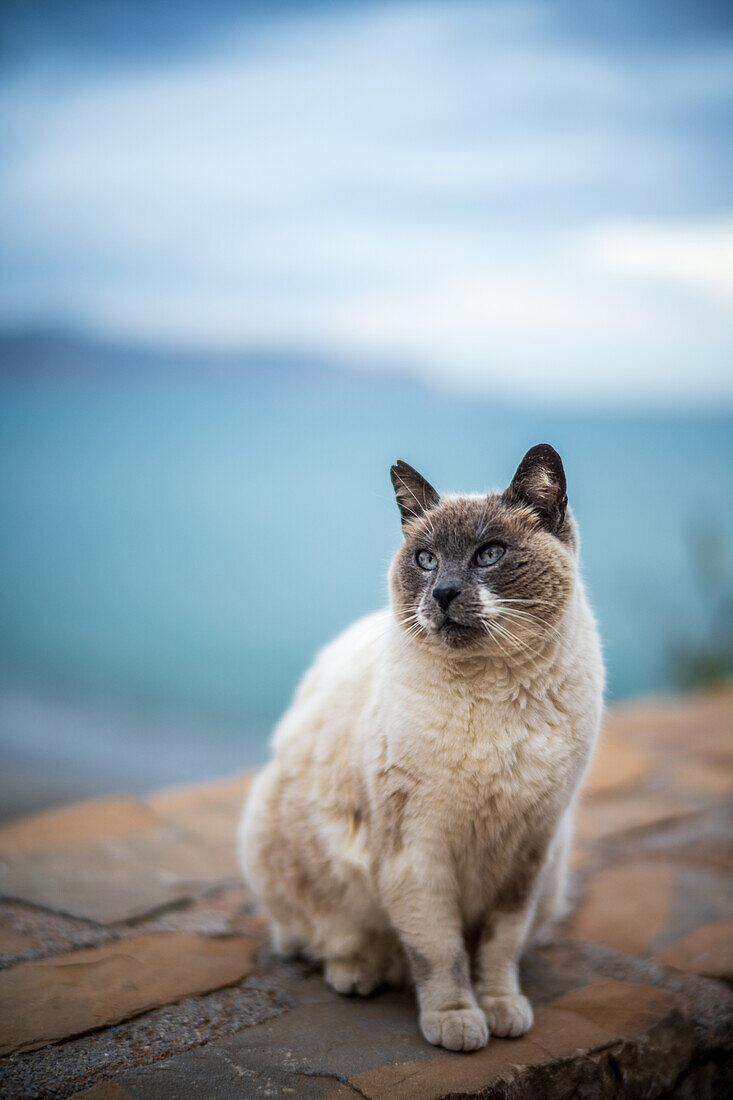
(482, 763)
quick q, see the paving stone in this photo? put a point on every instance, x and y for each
(339, 1048)
(209, 1073)
(653, 858)
(626, 907)
(105, 1090)
(699, 840)
(694, 723)
(224, 912)
(99, 819)
(706, 779)
(556, 1034)
(707, 951)
(602, 818)
(27, 932)
(612, 1027)
(115, 879)
(76, 1063)
(210, 812)
(624, 1009)
(702, 895)
(13, 941)
(617, 766)
(51, 999)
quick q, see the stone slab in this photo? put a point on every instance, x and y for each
(98, 819)
(703, 778)
(556, 1034)
(210, 812)
(115, 879)
(599, 818)
(155, 1036)
(624, 1009)
(104, 1090)
(700, 840)
(654, 859)
(707, 951)
(28, 932)
(626, 907)
(51, 999)
(607, 1026)
(607, 1038)
(617, 766)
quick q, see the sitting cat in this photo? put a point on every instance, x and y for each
(419, 804)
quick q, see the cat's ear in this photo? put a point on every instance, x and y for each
(540, 483)
(415, 495)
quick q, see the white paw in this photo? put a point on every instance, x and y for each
(455, 1028)
(508, 1017)
(351, 975)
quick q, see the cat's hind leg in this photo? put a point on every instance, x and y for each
(552, 902)
(286, 940)
(378, 961)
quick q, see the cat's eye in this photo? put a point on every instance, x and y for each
(426, 560)
(489, 554)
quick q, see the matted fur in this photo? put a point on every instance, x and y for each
(419, 802)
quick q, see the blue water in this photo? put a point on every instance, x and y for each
(174, 552)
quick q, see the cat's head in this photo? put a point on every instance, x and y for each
(489, 573)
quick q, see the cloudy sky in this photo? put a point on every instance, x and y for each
(525, 198)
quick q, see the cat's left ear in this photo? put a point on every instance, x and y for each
(540, 483)
(415, 495)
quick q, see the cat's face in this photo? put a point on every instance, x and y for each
(489, 574)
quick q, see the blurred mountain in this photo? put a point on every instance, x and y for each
(46, 353)
(34, 352)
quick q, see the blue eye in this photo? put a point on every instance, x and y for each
(489, 554)
(426, 560)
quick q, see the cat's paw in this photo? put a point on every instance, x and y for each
(352, 974)
(455, 1028)
(508, 1017)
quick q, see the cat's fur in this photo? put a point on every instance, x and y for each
(419, 803)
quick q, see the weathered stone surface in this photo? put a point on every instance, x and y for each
(147, 1039)
(653, 861)
(27, 932)
(707, 951)
(13, 941)
(617, 765)
(624, 1009)
(606, 1036)
(105, 1090)
(626, 907)
(699, 841)
(704, 778)
(51, 999)
(209, 811)
(115, 879)
(100, 819)
(602, 818)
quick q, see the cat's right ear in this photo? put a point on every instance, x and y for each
(415, 495)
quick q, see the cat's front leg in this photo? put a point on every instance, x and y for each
(508, 1012)
(420, 899)
(503, 936)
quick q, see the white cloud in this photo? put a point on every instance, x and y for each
(425, 182)
(698, 254)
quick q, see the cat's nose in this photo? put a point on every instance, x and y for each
(444, 594)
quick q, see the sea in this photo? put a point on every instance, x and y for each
(175, 548)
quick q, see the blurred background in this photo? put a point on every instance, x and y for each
(252, 253)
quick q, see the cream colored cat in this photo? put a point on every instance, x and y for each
(419, 803)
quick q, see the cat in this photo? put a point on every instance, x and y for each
(418, 808)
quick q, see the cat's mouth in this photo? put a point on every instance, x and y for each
(453, 627)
